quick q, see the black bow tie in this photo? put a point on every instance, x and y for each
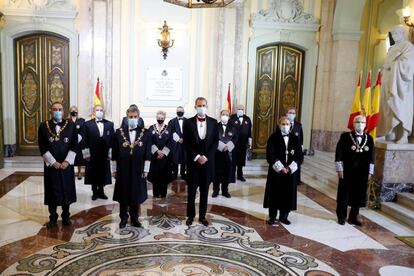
(133, 129)
(359, 135)
(180, 118)
(201, 119)
(58, 124)
(285, 135)
(99, 122)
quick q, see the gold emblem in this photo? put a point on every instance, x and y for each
(366, 148)
(66, 139)
(353, 147)
(51, 139)
(245, 122)
(78, 126)
(230, 133)
(140, 144)
(125, 144)
(57, 138)
(292, 152)
(297, 133)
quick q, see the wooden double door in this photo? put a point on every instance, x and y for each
(42, 77)
(278, 86)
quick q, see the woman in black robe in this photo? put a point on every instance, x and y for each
(160, 140)
(80, 127)
(283, 153)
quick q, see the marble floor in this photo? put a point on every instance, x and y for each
(238, 241)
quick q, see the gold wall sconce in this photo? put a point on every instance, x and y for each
(165, 41)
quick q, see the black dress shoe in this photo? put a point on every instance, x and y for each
(215, 194)
(226, 194)
(103, 196)
(66, 221)
(136, 223)
(94, 197)
(271, 221)
(189, 221)
(355, 222)
(284, 221)
(341, 221)
(122, 224)
(51, 224)
(241, 178)
(203, 221)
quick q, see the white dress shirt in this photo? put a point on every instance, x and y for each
(100, 127)
(132, 136)
(202, 129)
(180, 122)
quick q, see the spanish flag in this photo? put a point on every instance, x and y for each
(366, 102)
(228, 101)
(356, 106)
(375, 114)
(97, 96)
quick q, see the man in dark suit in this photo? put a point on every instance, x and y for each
(296, 129)
(58, 142)
(354, 158)
(124, 122)
(244, 133)
(283, 153)
(97, 152)
(178, 153)
(200, 141)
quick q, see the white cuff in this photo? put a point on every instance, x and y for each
(147, 165)
(278, 166)
(110, 153)
(166, 151)
(220, 146)
(198, 156)
(70, 158)
(86, 153)
(339, 166)
(293, 167)
(176, 137)
(230, 146)
(49, 159)
(79, 138)
(154, 149)
(250, 141)
(371, 168)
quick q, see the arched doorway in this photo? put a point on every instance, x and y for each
(278, 86)
(42, 77)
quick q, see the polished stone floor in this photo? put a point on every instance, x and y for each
(238, 241)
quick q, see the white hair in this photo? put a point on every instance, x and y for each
(359, 117)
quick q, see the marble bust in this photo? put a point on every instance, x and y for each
(396, 107)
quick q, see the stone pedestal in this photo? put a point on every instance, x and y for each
(394, 168)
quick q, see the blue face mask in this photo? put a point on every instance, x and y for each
(57, 116)
(133, 123)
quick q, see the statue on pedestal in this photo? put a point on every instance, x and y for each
(397, 90)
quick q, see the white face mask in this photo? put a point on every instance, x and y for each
(285, 129)
(99, 114)
(359, 127)
(224, 119)
(291, 117)
(240, 113)
(201, 111)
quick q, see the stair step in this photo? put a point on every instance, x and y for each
(398, 212)
(324, 188)
(329, 171)
(406, 200)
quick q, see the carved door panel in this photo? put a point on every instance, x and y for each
(42, 77)
(278, 87)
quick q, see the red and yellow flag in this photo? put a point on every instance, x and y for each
(228, 101)
(375, 114)
(366, 102)
(356, 106)
(97, 96)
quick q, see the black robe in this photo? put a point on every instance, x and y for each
(194, 146)
(244, 132)
(59, 185)
(160, 170)
(80, 128)
(352, 189)
(98, 169)
(298, 131)
(224, 159)
(281, 189)
(130, 185)
(178, 150)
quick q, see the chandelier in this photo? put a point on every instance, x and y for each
(200, 3)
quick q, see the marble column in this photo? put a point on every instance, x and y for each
(1, 120)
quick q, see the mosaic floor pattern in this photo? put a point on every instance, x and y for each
(166, 246)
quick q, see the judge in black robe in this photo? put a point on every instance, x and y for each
(281, 188)
(132, 153)
(98, 136)
(160, 140)
(244, 141)
(178, 151)
(200, 141)
(58, 146)
(354, 158)
(296, 129)
(79, 125)
(227, 135)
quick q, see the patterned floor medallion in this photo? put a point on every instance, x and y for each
(165, 246)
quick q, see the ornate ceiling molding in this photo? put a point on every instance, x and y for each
(40, 8)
